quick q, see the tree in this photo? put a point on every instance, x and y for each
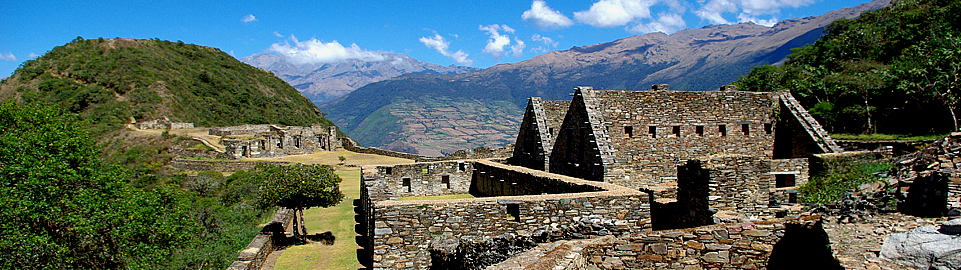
(931, 69)
(63, 208)
(299, 187)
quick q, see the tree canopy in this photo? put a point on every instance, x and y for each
(879, 72)
(300, 187)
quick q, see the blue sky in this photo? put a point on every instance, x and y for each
(473, 33)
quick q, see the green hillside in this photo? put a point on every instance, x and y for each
(109, 81)
(894, 70)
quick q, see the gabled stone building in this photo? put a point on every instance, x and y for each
(542, 122)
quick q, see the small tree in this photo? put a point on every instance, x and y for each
(299, 187)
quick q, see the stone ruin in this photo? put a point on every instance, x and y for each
(621, 179)
(252, 141)
(163, 123)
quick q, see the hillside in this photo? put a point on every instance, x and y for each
(693, 59)
(892, 71)
(322, 82)
(108, 82)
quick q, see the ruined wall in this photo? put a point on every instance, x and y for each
(724, 246)
(254, 141)
(490, 181)
(533, 139)
(400, 231)
(351, 145)
(235, 130)
(748, 186)
(582, 148)
(668, 127)
(163, 123)
(218, 165)
(424, 179)
(253, 256)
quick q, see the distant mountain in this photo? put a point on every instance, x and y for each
(419, 113)
(326, 81)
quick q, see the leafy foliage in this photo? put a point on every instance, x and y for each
(300, 187)
(842, 174)
(878, 72)
(65, 208)
(110, 81)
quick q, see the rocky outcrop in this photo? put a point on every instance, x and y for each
(926, 247)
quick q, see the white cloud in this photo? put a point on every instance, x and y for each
(546, 40)
(497, 42)
(8, 57)
(609, 13)
(33, 55)
(278, 34)
(748, 10)
(666, 23)
(314, 51)
(517, 49)
(442, 46)
(544, 17)
(249, 18)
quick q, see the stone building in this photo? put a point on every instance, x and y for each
(249, 141)
(542, 122)
(163, 123)
(638, 138)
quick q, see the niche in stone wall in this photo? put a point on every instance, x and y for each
(676, 130)
(746, 129)
(406, 183)
(782, 180)
(652, 130)
(514, 211)
(629, 131)
(445, 180)
(699, 130)
(722, 129)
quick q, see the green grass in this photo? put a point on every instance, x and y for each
(438, 197)
(339, 220)
(885, 137)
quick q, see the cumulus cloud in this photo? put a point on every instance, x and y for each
(666, 23)
(544, 17)
(546, 40)
(499, 44)
(609, 13)
(439, 44)
(518, 48)
(748, 10)
(249, 18)
(8, 57)
(314, 51)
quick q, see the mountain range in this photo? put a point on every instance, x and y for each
(322, 82)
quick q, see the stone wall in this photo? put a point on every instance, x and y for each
(747, 186)
(218, 165)
(724, 246)
(235, 130)
(424, 179)
(351, 145)
(163, 123)
(400, 231)
(654, 131)
(277, 141)
(253, 256)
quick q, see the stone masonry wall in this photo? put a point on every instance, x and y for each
(242, 129)
(253, 256)
(724, 246)
(746, 185)
(424, 179)
(400, 231)
(685, 125)
(218, 165)
(491, 181)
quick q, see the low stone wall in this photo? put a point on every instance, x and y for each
(218, 165)
(350, 145)
(242, 129)
(400, 231)
(253, 256)
(724, 246)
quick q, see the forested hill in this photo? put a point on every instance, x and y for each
(894, 70)
(108, 81)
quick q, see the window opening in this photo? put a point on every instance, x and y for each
(445, 180)
(653, 131)
(792, 197)
(425, 170)
(699, 130)
(746, 128)
(722, 129)
(783, 180)
(461, 166)
(514, 211)
(676, 130)
(768, 128)
(629, 130)
(406, 183)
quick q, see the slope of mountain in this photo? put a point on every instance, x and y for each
(692, 59)
(109, 82)
(323, 82)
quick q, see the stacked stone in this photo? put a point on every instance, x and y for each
(943, 156)
(739, 246)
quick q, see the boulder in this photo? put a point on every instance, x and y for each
(923, 248)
